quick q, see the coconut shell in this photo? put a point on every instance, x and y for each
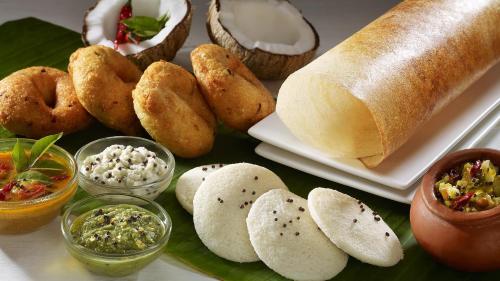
(166, 50)
(265, 65)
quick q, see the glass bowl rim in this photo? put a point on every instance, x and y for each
(71, 164)
(170, 161)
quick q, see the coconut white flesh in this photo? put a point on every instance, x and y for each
(357, 232)
(288, 241)
(102, 21)
(189, 182)
(270, 25)
(221, 206)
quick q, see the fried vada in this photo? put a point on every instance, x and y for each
(172, 110)
(103, 81)
(233, 92)
(39, 101)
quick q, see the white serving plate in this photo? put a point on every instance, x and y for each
(485, 134)
(403, 168)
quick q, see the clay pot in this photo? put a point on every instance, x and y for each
(465, 241)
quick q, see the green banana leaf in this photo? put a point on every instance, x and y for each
(30, 42)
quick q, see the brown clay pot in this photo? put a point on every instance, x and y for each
(465, 241)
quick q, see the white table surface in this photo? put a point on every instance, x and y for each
(41, 255)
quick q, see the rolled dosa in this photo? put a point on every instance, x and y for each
(368, 95)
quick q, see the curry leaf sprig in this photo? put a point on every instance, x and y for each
(29, 166)
(145, 27)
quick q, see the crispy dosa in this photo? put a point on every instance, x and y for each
(368, 95)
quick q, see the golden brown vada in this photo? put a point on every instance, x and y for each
(172, 110)
(233, 92)
(39, 101)
(103, 81)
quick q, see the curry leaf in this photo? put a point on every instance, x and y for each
(145, 27)
(41, 146)
(48, 165)
(19, 157)
(4, 133)
(34, 176)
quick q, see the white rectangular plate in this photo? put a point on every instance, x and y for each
(485, 134)
(408, 163)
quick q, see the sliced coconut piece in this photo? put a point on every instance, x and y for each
(288, 241)
(189, 182)
(221, 206)
(270, 36)
(101, 20)
(354, 227)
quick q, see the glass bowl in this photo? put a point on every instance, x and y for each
(149, 190)
(114, 264)
(28, 215)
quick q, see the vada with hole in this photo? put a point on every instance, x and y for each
(39, 101)
(103, 81)
(233, 92)
(171, 108)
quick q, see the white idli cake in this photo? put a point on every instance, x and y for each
(189, 182)
(288, 241)
(354, 227)
(221, 206)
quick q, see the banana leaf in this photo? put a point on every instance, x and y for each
(30, 41)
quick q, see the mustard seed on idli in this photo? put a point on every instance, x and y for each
(221, 206)
(288, 241)
(354, 227)
(189, 182)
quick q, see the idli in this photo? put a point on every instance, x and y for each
(189, 182)
(288, 241)
(354, 227)
(221, 206)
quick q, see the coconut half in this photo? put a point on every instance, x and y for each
(270, 36)
(100, 22)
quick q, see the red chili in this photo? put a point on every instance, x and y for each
(4, 166)
(476, 169)
(59, 177)
(121, 29)
(461, 201)
(6, 189)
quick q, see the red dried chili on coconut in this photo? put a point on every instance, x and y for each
(134, 29)
(121, 28)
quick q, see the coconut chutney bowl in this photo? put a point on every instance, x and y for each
(148, 185)
(466, 241)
